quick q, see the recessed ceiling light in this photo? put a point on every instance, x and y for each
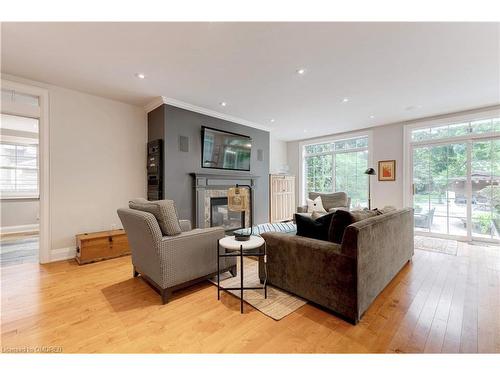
(372, 116)
(305, 130)
(272, 120)
(301, 71)
(223, 104)
(345, 100)
(140, 75)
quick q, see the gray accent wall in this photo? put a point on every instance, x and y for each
(178, 165)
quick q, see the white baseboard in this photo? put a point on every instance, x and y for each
(63, 253)
(20, 229)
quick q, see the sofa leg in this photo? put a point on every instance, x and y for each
(165, 296)
(233, 271)
(136, 273)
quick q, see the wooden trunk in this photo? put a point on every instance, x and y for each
(92, 247)
(281, 198)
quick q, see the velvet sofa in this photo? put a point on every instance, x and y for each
(344, 277)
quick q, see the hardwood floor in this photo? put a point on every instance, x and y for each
(438, 303)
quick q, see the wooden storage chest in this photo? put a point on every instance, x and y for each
(92, 247)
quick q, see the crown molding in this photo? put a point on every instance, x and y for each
(205, 111)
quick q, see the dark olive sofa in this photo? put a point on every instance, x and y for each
(345, 278)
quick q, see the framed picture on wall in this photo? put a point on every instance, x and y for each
(387, 170)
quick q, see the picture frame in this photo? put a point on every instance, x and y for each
(387, 170)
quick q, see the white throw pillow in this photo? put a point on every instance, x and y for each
(315, 205)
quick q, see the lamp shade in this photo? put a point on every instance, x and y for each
(237, 199)
(370, 171)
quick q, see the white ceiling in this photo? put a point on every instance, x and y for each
(393, 71)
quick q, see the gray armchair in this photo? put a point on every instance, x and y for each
(331, 201)
(169, 263)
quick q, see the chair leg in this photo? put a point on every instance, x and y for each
(136, 273)
(233, 271)
(165, 295)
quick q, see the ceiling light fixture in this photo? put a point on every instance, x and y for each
(301, 71)
(272, 120)
(223, 104)
(345, 100)
(372, 116)
(140, 75)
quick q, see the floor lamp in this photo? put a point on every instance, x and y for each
(370, 172)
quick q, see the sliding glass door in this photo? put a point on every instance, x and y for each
(456, 188)
(439, 178)
(485, 189)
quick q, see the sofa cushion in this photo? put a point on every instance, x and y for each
(318, 229)
(331, 200)
(342, 219)
(164, 212)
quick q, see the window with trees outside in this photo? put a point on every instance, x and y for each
(338, 166)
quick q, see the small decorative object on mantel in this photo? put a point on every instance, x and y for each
(387, 170)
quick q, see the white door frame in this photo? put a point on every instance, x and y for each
(468, 139)
(42, 113)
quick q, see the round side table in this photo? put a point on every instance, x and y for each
(234, 248)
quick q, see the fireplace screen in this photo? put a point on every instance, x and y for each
(220, 216)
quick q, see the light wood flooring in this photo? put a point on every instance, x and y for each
(437, 303)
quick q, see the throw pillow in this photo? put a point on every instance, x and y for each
(387, 209)
(341, 219)
(308, 227)
(164, 211)
(315, 205)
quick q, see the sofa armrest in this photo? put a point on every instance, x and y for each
(185, 225)
(302, 209)
(382, 245)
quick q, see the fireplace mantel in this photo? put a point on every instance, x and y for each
(216, 184)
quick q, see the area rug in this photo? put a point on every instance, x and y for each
(278, 303)
(437, 245)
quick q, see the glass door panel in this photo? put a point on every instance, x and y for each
(485, 184)
(440, 179)
(457, 189)
(421, 188)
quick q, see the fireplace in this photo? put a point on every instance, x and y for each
(210, 198)
(220, 216)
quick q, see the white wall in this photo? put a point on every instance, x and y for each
(278, 154)
(19, 214)
(97, 162)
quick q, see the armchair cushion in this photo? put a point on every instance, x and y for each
(164, 212)
(185, 225)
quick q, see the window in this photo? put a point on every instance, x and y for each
(19, 170)
(338, 166)
(491, 125)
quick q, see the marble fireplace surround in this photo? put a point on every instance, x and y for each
(208, 185)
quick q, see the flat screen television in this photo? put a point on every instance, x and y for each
(225, 150)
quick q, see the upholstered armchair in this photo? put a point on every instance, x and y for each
(169, 263)
(331, 201)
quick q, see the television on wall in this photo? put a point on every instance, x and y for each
(225, 150)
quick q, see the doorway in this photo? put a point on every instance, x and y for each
(24, 174)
